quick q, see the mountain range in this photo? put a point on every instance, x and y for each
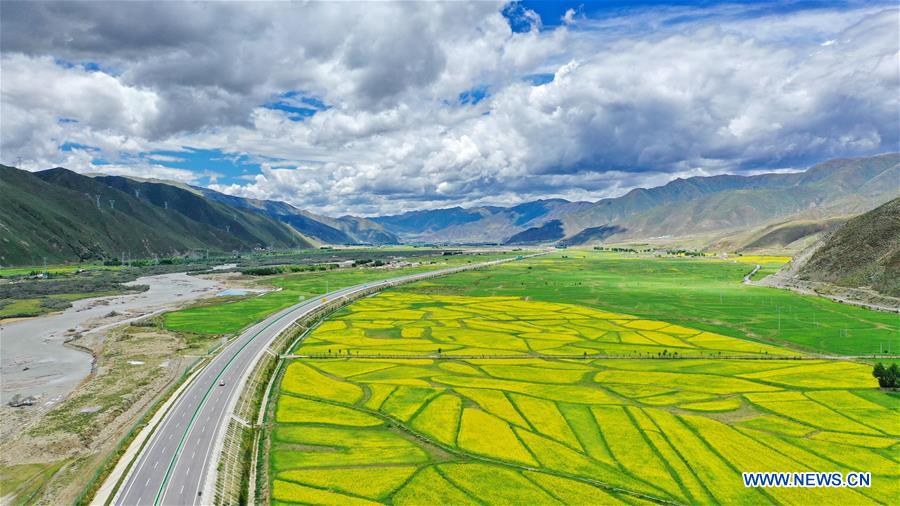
(62, 216)
(59, 216)
(683, 207)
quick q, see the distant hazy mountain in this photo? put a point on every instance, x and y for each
(476, 225)
(550, 231)
(864, 252)
(592, 234)
(705, 204)
(324, 229)
(60, 215)
(680, 208)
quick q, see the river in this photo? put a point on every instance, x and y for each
(34, 359)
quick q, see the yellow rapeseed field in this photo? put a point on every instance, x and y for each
(496, 403)
(485, 434)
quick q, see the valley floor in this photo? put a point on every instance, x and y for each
(554, 422)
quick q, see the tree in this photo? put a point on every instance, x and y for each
(893, 375)
(879, 373)
(888, 377)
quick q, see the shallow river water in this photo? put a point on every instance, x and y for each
(33, 358)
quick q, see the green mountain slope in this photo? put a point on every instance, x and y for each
(63, 216)
(864, 252)
(344, 230)
(252, 228)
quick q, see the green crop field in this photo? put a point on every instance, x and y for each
(7, 272)
(390, 422)
(699, 293)
(227, 316)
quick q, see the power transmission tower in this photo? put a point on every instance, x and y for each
(112, 203)
(97, 198)
(166, 204)
(137, 194)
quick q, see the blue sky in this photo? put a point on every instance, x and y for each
(211, 165)
(552, 12)
(388, 107)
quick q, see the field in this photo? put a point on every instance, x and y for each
(403, 323)
(698, 293)
(8, 272)
(215, 317)
(546, 425)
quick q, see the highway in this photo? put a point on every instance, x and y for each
(172, 466)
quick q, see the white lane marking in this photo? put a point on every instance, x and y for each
(181, 490)
(223, 356)
(147, 482)
(155, 464)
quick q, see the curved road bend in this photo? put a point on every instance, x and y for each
(172, 466)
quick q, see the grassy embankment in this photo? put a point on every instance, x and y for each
(545, 430)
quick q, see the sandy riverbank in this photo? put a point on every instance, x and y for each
(36, 361)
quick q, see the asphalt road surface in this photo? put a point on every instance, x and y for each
(172, 466)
